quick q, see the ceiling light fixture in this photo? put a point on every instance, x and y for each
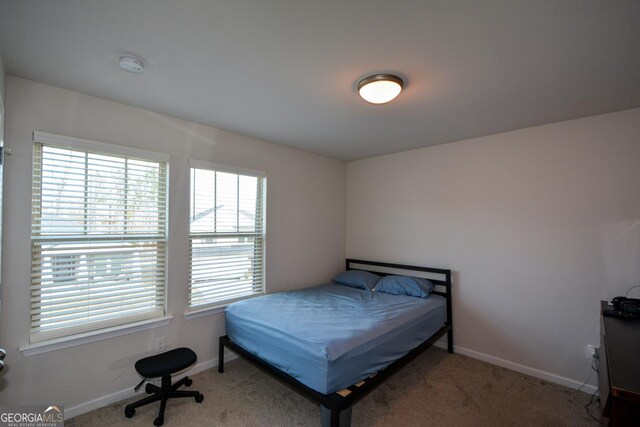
(132, 64)
(380, 88)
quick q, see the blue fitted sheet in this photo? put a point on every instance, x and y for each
(330, 337)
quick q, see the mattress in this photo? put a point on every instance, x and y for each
(331, 336)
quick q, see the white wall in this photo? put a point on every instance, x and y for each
(2, 91)
(305, 234)
(2, 78)
(538, 225)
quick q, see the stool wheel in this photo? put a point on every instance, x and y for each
(158, 421)
(129, 412)
(200, 398)
(188, 382)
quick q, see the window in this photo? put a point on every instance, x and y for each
(98, 236)
(227, 234)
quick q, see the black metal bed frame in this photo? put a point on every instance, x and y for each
(336, 407)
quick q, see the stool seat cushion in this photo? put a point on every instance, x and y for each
(166, 363)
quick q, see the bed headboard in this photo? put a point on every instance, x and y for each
(440, 277)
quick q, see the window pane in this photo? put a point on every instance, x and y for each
(247, 203)
(105, 194)
(227, 236)
(226, 202)
(225, 268)
(82, 283)
(203, 202)
(62, 191)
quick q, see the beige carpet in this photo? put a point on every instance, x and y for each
(436, 389)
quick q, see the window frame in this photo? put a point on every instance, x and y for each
(195, 311)
(106, 328)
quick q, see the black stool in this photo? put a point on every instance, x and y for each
(163, 365)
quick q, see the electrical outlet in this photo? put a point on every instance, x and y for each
(159, 344)
(590, 351)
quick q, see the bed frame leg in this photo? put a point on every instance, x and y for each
(450, 341)
(220, 355)
(335, 418)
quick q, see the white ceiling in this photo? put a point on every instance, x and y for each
(285, 70)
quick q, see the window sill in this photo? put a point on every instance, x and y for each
(93, 336)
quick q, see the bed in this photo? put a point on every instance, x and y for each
(333, 343)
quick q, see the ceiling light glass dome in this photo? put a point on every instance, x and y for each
(380, 88)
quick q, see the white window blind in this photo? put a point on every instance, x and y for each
(98, 238)
(227, 234)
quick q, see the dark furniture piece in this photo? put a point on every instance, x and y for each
(163, 365)
(335, 408)
(619, 367)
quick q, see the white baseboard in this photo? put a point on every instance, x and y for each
(117, 396)
(537, 373)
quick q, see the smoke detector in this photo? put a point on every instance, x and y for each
(132, 64)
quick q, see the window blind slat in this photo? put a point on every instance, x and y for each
(212, 272)
(99, 225)
(69, 311)
(54, 322)
(226, 286)
(81, 289)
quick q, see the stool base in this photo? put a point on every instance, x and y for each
(163, 393)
